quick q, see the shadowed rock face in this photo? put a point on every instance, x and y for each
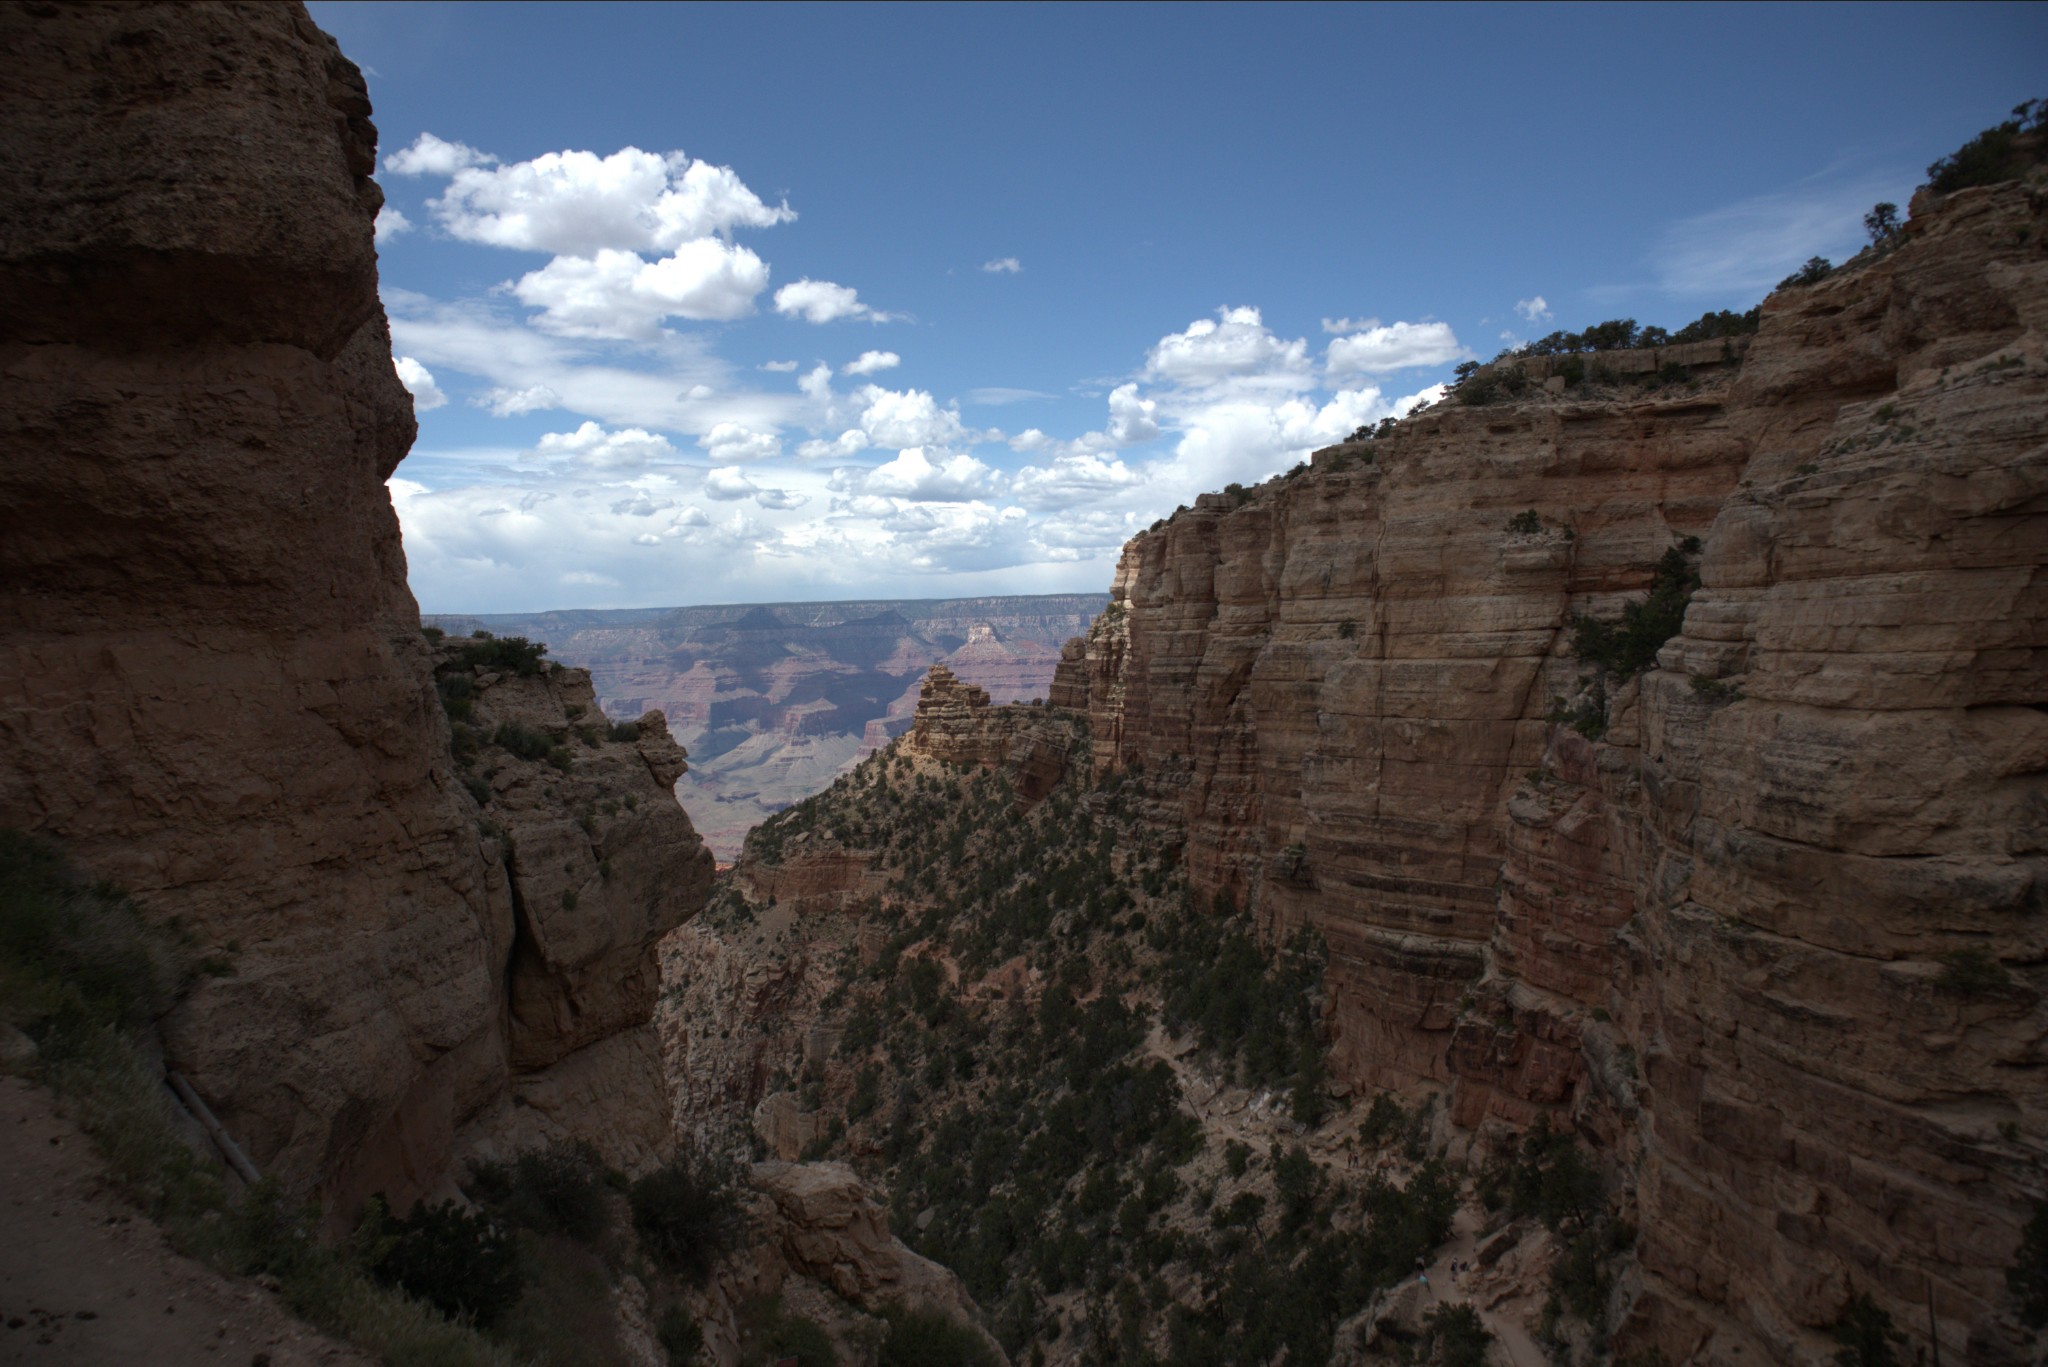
(213, 688)
(1836, 774)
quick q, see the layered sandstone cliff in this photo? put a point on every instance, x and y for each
(213, 688)
(1775, 937)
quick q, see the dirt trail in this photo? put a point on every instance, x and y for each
(1506, 1318)
(86, 1281)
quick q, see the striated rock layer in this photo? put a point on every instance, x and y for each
(213, 688)
(1714, 937)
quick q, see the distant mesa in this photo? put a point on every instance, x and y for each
(759, 619)
(775, 700)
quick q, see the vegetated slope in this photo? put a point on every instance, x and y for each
(1756, 905)
(983, 982)
(775, 700)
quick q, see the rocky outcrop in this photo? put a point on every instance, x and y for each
(816, 1226)
(600, 863)
(947, 727)
(955, 725)
(213, 687)
(1771, 927)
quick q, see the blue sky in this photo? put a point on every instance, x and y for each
(746, 303)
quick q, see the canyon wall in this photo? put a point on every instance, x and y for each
(1768, 923)
(213, 686)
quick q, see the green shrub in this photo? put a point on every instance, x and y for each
(1816, 269)
(1457, 1336)
(1973, 971)
(1722, 323)
(1549, 1178)
(1630, 646)
(1526, 523)
(1580, 1281)
(504, 655)
(458, 1262)
(1866, 1334)
(624, 731)
(2028, 1277)
(2003, 151)
(930, 1338)
(680, 1337)
(1882, 224)
(1383, 1121)
(559, 1190)
(793, 1336)
(456, 692)
(522, 741)
(688, 1214)
(76, 957)
(565, 1316)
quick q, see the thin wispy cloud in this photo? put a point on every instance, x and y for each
(1745, 248)
(1001, 394)
(1003, 265)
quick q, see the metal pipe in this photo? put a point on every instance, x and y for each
(229, 1149)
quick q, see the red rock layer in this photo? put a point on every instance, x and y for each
(1713, 937)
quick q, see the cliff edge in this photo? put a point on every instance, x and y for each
(213, 686)
(1763, 919)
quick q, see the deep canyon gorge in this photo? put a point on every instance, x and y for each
(1346, 897)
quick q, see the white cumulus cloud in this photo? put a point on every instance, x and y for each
(390, 223)
(1398, 346)
(1070, 480)
(851, 442)
(1533, 310)
(821, 301)
(905, 418)
(728, 483)
(619, 295)
(1131, 419)
(592, 447)
(1340, 326)
(1003, 265)
(926, 476)
(432, 156)
(578, 204)
(1235, 346)
(426, 395)
(730, 443)
(869, 362)
(779, 367)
